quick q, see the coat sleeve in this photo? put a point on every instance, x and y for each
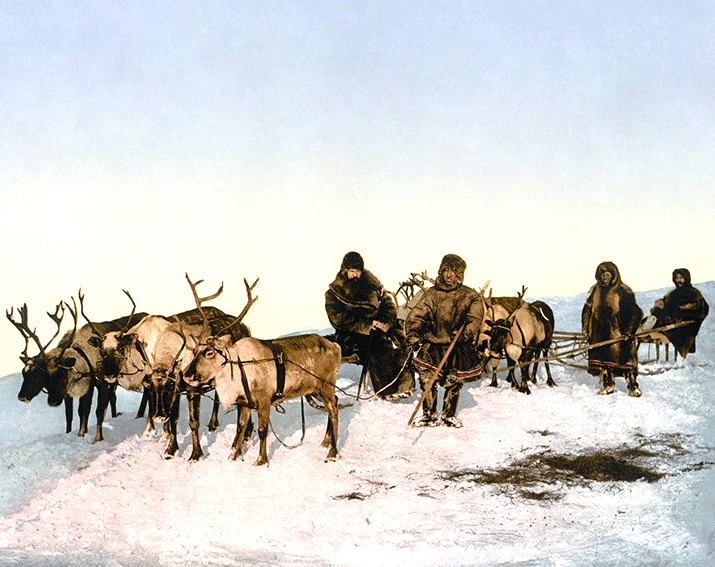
(387, 312)
(586, 313)
(630, 313)
(475, 314)
(338, 314)
(419, 320)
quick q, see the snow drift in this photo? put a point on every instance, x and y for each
(560, 477)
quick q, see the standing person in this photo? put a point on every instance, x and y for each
(364, 317)
(611, 312)
(684, 303)
(431, 326)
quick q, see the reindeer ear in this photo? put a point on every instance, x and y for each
(129, 338)
(223, 341)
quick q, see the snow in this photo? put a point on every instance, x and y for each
(398, 495)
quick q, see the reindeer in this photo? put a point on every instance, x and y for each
(36, 370)
(73, 368)
(520, 332)
(255, 374)
(152, 355)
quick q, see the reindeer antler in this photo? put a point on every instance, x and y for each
(24, 328)
(200, 300)
(81, 307)
(250, 299)
(73, 312)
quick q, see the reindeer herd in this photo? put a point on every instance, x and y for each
(206, 350)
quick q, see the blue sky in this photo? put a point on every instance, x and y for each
(235, 140)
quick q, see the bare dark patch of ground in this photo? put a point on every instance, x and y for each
(542, 475)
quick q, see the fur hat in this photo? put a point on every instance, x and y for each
(352, 261)
(454, 262)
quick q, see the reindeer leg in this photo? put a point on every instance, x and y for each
(524, 388)
(242, 419)
(85, 407)
(535, 366)
(142, 404)
(103, 395)
(213, 422)
(331, 404)
(511, 377)
(194, 401)
(69, 402)
(328, 438)
(493, 366)
(113, 399)
(173, 447)
(550, 381)
(149, 428)
(264, 414)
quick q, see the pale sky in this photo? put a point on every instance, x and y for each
(232, 140)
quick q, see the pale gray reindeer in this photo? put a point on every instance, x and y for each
(255, 374)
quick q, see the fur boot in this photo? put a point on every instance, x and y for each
(633, 390)
(608, 385)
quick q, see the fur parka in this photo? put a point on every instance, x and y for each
(441, 311)
(682, 304)
(610, 312)
(352, 305)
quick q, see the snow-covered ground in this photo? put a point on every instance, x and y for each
(561, 477)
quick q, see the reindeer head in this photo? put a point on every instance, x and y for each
(208, 362)
(40, 371)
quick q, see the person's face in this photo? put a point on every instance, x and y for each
(606, 278)
(449, 277)
(354, 273)
(679, 280)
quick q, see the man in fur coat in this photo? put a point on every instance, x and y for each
(611, 312)
(684, 303)
(364, 317)
(431, 326)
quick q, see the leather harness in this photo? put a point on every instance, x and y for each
(279, 360)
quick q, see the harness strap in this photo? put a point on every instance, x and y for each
(92, 370)
(280, 369)
(244, 381)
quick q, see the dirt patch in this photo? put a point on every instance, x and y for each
(541, 476)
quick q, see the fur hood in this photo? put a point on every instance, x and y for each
(613, 269)
(458, 266)
(683, 272)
